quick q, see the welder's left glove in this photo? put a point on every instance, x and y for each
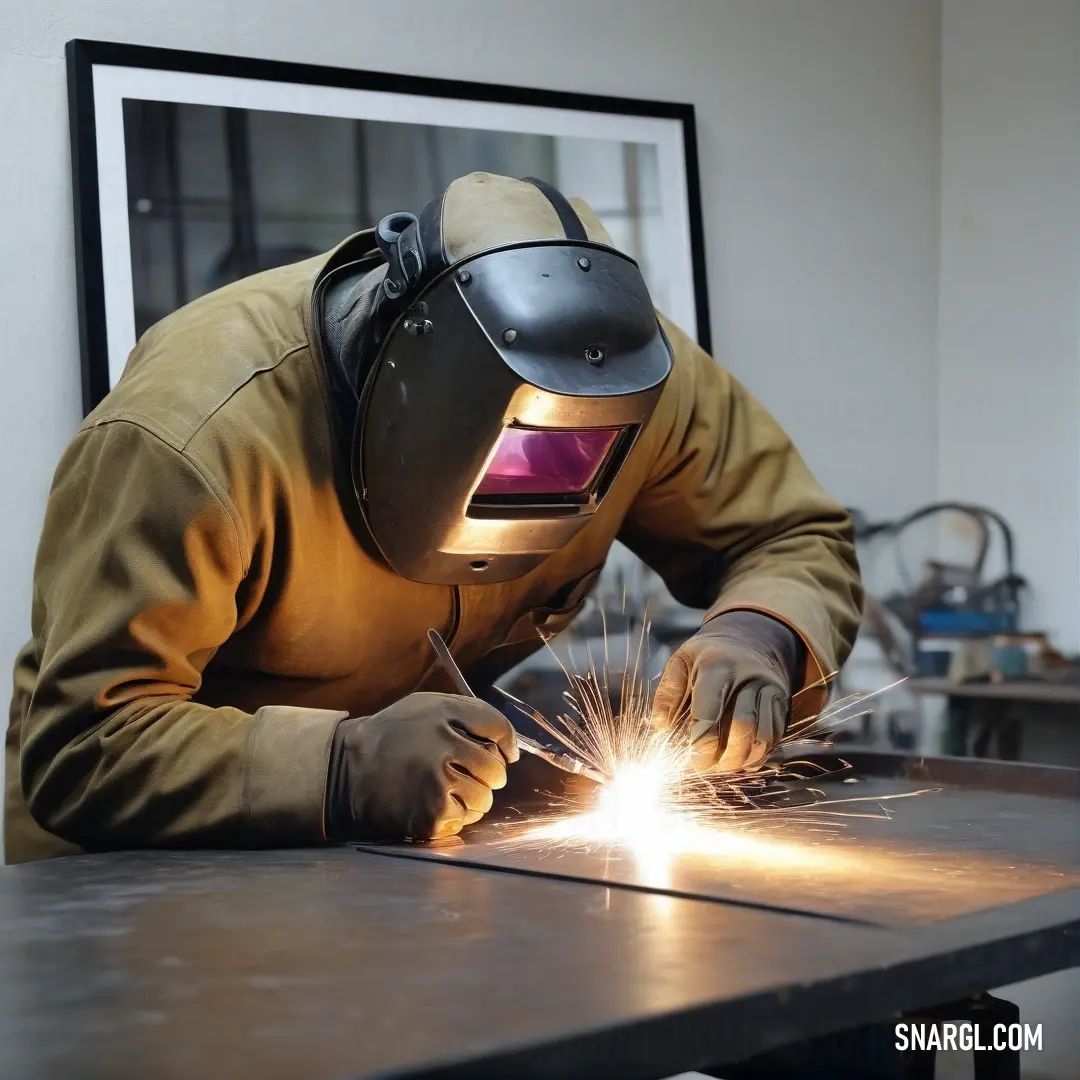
(731, 684)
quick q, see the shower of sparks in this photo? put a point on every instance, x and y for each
(655, 804)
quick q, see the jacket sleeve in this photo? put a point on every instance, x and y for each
(135, 584)
(732, 519)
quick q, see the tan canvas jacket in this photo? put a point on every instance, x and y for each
(205, 610)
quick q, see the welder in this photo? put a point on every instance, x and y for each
(446, 422)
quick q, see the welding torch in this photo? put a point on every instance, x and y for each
(566, 762)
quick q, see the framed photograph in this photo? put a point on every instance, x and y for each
(192, 170)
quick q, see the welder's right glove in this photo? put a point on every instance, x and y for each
(421, 768)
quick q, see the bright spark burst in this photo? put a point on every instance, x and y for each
(655, 805)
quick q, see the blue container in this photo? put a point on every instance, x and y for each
(1009, 659)
(973, 623)
(933, 663)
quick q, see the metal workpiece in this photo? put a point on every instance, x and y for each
(950, 851)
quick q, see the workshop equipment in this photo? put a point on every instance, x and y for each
(954, 599)
(567, 762)
(953, 604)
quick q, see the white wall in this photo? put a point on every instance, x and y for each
(1010, 329)
(1010, 283)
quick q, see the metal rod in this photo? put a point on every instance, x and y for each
(448, 663)
(566, 762)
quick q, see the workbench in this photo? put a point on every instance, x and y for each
(1017, 720)
(1032, 690)
(344, 963)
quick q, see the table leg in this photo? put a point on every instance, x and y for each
(869, 1052)
(985, 1012)
(957, 725)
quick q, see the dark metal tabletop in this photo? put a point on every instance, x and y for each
(334, 964)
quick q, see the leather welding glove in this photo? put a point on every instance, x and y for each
(420, 769)
(732, 684)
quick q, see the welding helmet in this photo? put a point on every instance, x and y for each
(517, 358)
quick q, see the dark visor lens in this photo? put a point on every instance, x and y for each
(531, 462)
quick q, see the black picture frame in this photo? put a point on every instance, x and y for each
(84, 56)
